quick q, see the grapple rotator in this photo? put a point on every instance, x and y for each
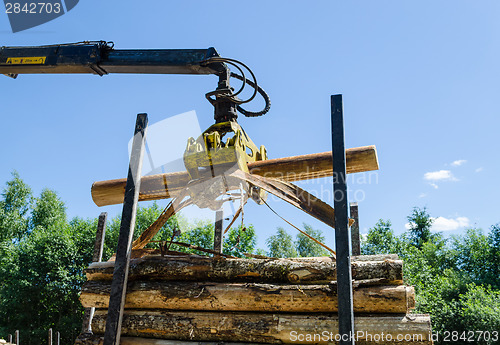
(225, 146)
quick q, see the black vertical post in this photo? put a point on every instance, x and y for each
(50, 336)
(97, 257)
(355, 240)
(342, 245)
(99, 237)
(120, 274)
(219, 217)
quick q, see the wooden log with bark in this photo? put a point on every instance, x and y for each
(287, 169)
(278, 271)
(249, 297)
(92, 339)
(267, 328)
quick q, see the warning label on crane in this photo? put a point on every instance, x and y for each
(32, 60)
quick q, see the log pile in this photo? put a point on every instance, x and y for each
(195, 299)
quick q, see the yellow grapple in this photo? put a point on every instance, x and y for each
(209, 155)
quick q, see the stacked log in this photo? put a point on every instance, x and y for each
(185, 299)
(290, 169)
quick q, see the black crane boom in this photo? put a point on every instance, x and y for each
(100, 58)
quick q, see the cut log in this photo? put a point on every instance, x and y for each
(376, 257)
(267, 328)
(288, 169)
(92, 339)
(249, 297)
(284, 271)
(139, 253)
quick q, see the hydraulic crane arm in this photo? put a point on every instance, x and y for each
(100, 58)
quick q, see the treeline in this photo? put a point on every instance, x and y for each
(456, 279)
(43, 255)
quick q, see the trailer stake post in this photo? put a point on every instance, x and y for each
(123, 251)
(355, 239)
(219, 218)
(97, 257)
(342, 245)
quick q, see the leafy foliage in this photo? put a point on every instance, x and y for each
(381, 239)
(41, 262)
(48, 210)
(282, 245)
(240, 240)
(456, 280)
(420, 227)
(43, 255)
(14, 206)
(306, 247)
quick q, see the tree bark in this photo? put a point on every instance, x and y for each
(265, 328)
(284, 271)
(249, 297)
(288, 169)
(90, 339)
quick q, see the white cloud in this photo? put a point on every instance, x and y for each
(446, 224)
(479, 169)
(422, 195)
(441, 175)
(434, 185)
(458, 162)
(449, 224)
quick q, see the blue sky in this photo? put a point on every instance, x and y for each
(419, 81)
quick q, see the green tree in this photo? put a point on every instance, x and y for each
(14, 207)
(420, 226)
(82, 233)
(43, 256)
(471, 255)
(144, 218)
(306, 247)
(41, 264)
(240, 240)
(456, 281)
(16, 196)
(41, 284)
(494, 256)
(380, 239)
(48, 210)
(479, 307)
(281, 245)
(201, 235)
